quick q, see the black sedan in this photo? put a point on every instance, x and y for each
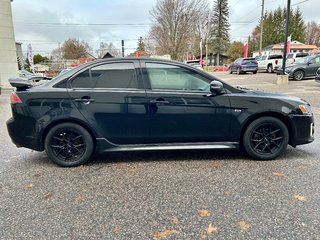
(148, 104)
(318, 75)
(244, 65)
(304, 67)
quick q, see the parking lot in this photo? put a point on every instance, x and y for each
(165, 195)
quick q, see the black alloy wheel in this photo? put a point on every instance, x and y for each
(69, 145)
(298, 75)
(266, 138)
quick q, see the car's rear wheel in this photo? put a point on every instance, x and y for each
(69, 145)
(238, 71)
(298, 75)
(266, 138)
(255, 72)
(230, 71)
(270, 69)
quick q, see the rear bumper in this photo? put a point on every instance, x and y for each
(303, 129)
(22, 136)
(249, 69)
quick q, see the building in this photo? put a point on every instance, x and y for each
(20, 59)
(295, 46)
(8, 51)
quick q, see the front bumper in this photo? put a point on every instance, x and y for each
(302, 129)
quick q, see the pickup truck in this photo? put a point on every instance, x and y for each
(269, 62)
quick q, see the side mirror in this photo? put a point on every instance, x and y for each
(216, 87)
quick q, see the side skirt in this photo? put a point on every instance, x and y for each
(104, 146)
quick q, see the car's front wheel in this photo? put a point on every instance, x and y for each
(298, 75)
(266, 138)
(69, 145)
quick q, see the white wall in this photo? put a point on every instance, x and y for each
(8, 52)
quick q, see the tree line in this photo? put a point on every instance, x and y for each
(178, 27)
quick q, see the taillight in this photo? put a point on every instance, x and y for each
(276, 62)
(14, 98)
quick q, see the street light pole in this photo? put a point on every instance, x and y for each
(286, 38)
(261, 27)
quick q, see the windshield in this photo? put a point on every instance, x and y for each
(303, 60)
(289, 56)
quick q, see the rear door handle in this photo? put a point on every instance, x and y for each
(158, 101)
(85, 100)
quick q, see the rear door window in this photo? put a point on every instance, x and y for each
(82, 80)
(115, 75)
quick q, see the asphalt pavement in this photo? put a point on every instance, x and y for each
(168, 194)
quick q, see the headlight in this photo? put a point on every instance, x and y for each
(305, 109)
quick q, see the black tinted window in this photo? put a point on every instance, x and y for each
(275, 56)
(301, 55)
(82, 80)
(114, 75)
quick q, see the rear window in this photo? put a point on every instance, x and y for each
(275, 57)
(299, 55)
(250, 60)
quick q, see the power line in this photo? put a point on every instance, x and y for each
(56, 24)
(299, 3)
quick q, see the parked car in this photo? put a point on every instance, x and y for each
(304, 67)
(33, 77)
(244, 65)
(195, 63)
(134, 104)
(318, 75)
(269, 63)
(293, 57)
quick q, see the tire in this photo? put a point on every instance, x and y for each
(298, 75)
(269, 69)
(230, 71)
(266, 138)
(69, 145)
(255, 72)
(238, 71)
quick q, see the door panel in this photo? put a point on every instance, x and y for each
(117, 107)
(187, 112)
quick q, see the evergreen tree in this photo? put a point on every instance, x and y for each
(219, 34)
(274, 23)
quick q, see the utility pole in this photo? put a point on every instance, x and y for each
(286, 38)
(261, 27)
(122, 43)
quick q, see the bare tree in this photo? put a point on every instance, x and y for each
(74, 49)
(174, 25)
(312, 33)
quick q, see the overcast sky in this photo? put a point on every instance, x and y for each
(29, 16)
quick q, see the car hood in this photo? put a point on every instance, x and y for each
(295, 65)
(279, 96)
